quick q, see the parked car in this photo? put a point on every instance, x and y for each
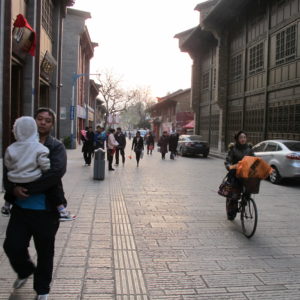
(282, 155)
(192, 145)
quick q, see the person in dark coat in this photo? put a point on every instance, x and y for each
(173, 143)
(163, 143)
(88, 146)
(138, 146)
(121, 139)
(236, 152)
(34, 213)
(150, 143)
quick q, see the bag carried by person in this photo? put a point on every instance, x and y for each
(225, 187)
(158, 149)
(229, 188)
(142, 154)
(151, 147)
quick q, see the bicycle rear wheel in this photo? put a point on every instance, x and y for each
(249, 217)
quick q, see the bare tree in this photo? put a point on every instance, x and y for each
(115, 98)
(136, 113)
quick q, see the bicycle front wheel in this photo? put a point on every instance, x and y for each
(249, 217)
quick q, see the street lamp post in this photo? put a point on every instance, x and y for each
(72, 108)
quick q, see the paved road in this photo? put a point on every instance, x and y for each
(160, 232)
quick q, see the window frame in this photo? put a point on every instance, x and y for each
(271, 144)
(48, 17)
(257, 57)
(236, 67)
(205, 80)
(285, 42)
(260, 145)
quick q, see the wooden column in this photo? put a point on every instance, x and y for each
(37, 71)
(6, 114)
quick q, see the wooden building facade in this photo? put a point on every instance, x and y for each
(30, 59)
(246, 69)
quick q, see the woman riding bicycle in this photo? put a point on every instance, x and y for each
(236, 152)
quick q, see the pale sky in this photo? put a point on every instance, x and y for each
(136, 41)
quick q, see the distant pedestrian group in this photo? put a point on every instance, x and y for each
(113, 141)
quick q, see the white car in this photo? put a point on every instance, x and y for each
(282, 155)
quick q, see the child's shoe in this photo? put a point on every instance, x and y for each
(5, 211)
(66, 216)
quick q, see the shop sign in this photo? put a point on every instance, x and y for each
(63, 113)
(47, 66)
(81, 112)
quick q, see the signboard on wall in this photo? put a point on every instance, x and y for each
(81, 112)
(47, 66)
(63, 113)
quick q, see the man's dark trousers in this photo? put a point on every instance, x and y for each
(87, 157)
(118, 151)
(42, 226)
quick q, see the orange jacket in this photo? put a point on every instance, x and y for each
(252, 167)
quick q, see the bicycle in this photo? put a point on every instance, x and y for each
(247, 206)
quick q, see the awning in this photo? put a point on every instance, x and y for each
(190, 125)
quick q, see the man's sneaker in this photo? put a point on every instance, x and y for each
(19, 283)
(5, 211)
(42, 297)
(66, 217)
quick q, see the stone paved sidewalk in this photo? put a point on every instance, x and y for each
(159, 232)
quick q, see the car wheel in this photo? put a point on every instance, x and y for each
(182, 152)
(275, 177)
(205, 154)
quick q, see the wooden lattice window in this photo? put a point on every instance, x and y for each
(47, 16)
(214, 78)
(256, 59)
(286, 45)
(205, 80)
(236, 67)
(284, 118)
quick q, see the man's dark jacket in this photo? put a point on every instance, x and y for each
(121, 139)
(50, 182)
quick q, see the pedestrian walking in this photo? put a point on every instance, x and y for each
(163, 143)
(138, 147)
(236, 152)
(26, 160)
(99, 138)
(121, 139)
(88, 146)
(173, 143)
(83, 134)
(111, 148)
(150, 143)
(34, 213)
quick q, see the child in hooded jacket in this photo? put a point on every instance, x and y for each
(27, 159)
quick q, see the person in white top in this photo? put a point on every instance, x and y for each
(26, 159)
(111, 148)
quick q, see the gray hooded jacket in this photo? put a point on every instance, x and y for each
(27, 158)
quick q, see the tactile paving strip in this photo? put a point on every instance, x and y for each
(130, 282)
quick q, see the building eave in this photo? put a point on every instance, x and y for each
(161, 104)
(85, 36)
(206, 4)
(223, 12)
(80, 13)
(194, 39)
